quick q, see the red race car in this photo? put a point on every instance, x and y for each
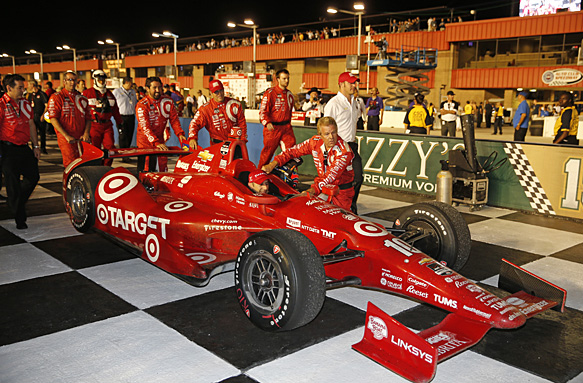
(286, 249)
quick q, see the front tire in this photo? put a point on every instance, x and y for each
(81, 188)
(280, 280)
(448, 238)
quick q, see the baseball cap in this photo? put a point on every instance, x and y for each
(347, 76)
(523, 93)
(450, 93)
(258, 176)
(215, 85)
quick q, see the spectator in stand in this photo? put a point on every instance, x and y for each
(374, 110)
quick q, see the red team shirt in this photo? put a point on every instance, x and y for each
(220, 119)
(14, 120)
(276, 106)
(153, 115)
(72, 111)
(95, 98)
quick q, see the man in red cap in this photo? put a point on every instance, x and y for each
(17, 128)
(343, 109)
(258, 182)
(275, 115)
(332, 158)
(222, 116)
(153, 113)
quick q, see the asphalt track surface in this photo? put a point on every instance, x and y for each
(78, 308)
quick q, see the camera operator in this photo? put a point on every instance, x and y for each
(314, 107)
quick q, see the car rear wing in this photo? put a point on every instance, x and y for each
(414, 356)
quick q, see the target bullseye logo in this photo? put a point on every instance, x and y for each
(201, 258)
(152, 247)
(166, 107)
(114, 185)
(176, 206)
(102, 214)
(369, 230)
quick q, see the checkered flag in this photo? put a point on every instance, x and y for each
(532, 187)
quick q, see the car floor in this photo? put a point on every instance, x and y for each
(79, 308)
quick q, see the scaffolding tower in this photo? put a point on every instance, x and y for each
(407, 67)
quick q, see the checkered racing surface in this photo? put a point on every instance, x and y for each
(79, 308)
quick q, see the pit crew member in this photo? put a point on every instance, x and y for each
(275, 116)
(222, 116)
(332, 158)
(154, 112)
(417, 119)
(103, 106)
(70, 116)
(567, 123)
(17, 128)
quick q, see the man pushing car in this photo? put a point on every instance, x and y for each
(332, 158)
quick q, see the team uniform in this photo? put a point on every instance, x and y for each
(334, 166)
(103, 106)
(276, 108)
(568, 121)
(72, 111)
(18, 159)
(224, 121)
(418, 120)
(153, 116)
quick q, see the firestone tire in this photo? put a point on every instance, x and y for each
(280, 280)
(81, 195)
(449, 239)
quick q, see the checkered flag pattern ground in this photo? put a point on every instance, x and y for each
(528, 179)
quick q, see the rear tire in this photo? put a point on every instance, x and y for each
(81, 195)
(449, 239)
(280, 280)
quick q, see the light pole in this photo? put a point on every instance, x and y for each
(33, 52)
(68, 48)
(174, 36)
(13, 62)
(111, 42)
(248, 23)
(359, 11)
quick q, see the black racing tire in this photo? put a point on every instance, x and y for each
(280, 280)
(81, 188)
(449, 239)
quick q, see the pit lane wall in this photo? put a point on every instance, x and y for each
(545, 179)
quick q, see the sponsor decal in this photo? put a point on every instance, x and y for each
(562, 77)
(438, 268)
(201, 258)
(293, 222)
(152, 247)
(239, 200)
(223, 164)
(378, 327)
(411, 349)
(182, 165)
(167, 180)
(129, 221)
(222, 227)
(206, 156)
(451, 342)
(387, 273)
(115, 185)
(445, 301)
(253, 205)
(350, 217)
(219, 195)
(176, 206)
(243, 302)
(477, 312)
(368, 229)
(230, 196)
(401, 246)
(417, 283)
(276, 249)
(474, 288)
(224, 221)
(412, 290)
(328, 234)
(459, 284)
(184, 181)
(225, 149)
(200, 167)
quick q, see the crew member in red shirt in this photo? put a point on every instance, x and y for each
(70, 115)
(222, 116)
(332, 158)
(154, 112)
(17, 128)
(275, 115)
(103, 106)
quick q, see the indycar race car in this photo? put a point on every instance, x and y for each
(286, 248)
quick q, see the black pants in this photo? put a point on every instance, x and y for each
(41, 127)
(358, 177)
(126, 130)
(372, 123)
(17, 162)
(519, 134)
(498, 122)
